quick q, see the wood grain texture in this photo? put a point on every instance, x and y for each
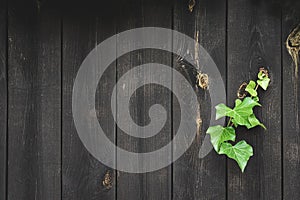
(196, 178)
(34, 121)
(291, 113)
(83, 175)
(254, 40)
(41, 155)
(3, 100)
(152, 185)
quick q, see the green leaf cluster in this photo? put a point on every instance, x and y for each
(263, 80)
(240, 115)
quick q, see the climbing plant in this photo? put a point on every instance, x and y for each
(223, 138)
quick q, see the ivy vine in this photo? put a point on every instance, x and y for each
(222, 138)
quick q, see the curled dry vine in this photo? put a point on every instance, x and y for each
(222, 138)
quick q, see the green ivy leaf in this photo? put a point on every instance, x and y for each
(247, 104)
(241, 152)
(254, 122)
(251, 89)
(264, 83)
(240, 113)
(219, 134)
(243, 110)
(222, 110)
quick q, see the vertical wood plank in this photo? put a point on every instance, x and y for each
(34, 140)
(83, 175)
(3, 100)
(196, 178)
(254, 40)
(290, 114)
(152, 185)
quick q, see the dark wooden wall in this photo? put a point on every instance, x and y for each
(43, 43)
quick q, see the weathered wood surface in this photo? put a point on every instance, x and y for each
(254, 41)
(3, 100)
(82, 174)
(290, 108)
(195, 178)
(134, 14)
(34, 107)
(42, 45)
